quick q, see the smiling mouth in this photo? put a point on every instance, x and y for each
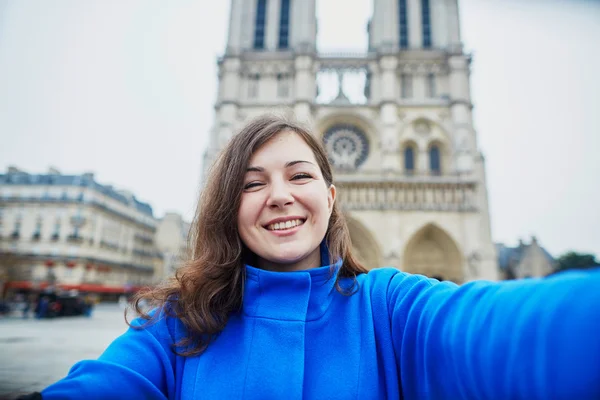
(282, 226)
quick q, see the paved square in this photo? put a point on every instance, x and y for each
(34, 353)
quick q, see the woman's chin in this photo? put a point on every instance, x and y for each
(289, 261)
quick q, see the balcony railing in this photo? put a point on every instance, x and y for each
(71, 200)
(75, 238)
(409, 196)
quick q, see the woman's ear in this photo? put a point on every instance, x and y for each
(331, 193)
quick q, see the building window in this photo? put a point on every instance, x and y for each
(17, 231)
(259, 26)
(426, 23)
(431, 91)
(284, 24)
(406, 86)
(434, 160)
(347, 146)
(283, 85)
(409, 160)
(402, 24)
(56, 232)
(253, 81)
(37, 233)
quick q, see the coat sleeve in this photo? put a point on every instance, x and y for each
(527, 339)
(137, 365)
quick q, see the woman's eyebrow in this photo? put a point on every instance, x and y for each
(287, 165)
(292, 163)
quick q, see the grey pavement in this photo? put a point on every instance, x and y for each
(35, 353)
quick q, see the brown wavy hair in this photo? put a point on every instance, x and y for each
(209, 287)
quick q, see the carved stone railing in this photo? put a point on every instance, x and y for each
(408, 195)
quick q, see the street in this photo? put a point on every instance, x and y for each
(34, 353)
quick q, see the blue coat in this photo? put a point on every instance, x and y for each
(399, 336)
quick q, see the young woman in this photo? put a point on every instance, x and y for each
(273, 305)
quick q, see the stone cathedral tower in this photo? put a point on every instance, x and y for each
(409, 174)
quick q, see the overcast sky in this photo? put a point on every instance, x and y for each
(125, 89)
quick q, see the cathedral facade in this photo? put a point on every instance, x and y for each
(397, 125)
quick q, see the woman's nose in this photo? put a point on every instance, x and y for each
(280, 195)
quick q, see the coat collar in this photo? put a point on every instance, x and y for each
(290, 296)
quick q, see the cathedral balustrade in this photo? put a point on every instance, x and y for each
(409, 195)
(346, 61)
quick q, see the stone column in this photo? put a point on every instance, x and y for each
(305, 87)
(419, 82)
(272, 24)
(375, 83)
(454, 44)
(460, 108)
(439, 23)
(247, 26)
(389, 78)
(415, 34)
(234, 40)
(422, 165)
(303, 29)
(229, 80)
(388, 137)
(388, 19)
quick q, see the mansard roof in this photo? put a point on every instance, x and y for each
(511, 256)
(53, 178)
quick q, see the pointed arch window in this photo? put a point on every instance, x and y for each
(253, 82)
(284, 24)
(431, 89)
(409, 160)
(426, 23)
(259, 24)
(406, 87)
(283, 85)
(434, 160)
(402, 24)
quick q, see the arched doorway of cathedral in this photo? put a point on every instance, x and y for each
(432, 252)
(364, 245)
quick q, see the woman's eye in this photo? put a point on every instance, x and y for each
(301, 176)
(251, 185)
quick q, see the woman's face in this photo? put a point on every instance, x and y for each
(285, 205)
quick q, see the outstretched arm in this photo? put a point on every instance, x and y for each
(137, 365)
(528, 339)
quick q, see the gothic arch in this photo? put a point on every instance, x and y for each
(431, 251)
(404, 145)
(436, 131)
(346, 118)
(364, 245)
(443, 155)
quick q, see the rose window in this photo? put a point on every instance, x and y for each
(346, 145)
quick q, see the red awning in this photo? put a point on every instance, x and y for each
(83, 287)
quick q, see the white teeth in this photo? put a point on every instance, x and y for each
(284, 225)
